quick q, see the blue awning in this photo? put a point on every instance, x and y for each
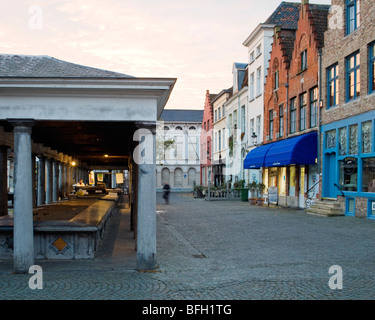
(255, 158)
(297, 150)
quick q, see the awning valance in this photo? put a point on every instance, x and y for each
(255, 158)
(297, 150)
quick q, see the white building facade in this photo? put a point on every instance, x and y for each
(259, 44)
(178, 149)
(220, 136)
(236, 118)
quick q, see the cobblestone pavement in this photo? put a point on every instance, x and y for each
(217, 251)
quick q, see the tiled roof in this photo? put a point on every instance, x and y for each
(285, 16)
(182, 115)
(319, 14)
(26, 66)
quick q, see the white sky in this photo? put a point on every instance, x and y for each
(195, 41)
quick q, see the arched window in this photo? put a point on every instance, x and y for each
(178, 128)
(177, 177)
(192, 128)
(166, 128)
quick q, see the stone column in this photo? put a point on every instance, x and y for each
(68, 179)
(49, 180)
(23, 199)
(146, 197)
(55, 181)
(34, 171)
(41, 181)
(3, 181)
(113, 179)
(61, 179)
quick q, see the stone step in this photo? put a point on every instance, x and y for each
(325, 212)
(326, 207)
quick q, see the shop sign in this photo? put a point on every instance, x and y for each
(272, 195)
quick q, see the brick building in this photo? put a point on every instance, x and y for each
(348, 115)
(206, 141)
(290, 125)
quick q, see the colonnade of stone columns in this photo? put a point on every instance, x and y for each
(55, 179)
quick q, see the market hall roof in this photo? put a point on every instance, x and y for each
(41, 66)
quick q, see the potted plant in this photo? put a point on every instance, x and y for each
(252, 187)
(198, 191)
(260, 188)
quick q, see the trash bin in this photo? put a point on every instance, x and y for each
(244, 194)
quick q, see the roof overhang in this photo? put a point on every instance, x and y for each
(125, 99)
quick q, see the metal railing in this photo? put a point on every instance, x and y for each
(310, 195)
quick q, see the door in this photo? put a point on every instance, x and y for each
(191, 177)
(329, 175)
(165, 176)
(178, 177)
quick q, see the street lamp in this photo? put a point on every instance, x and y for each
(254, 139)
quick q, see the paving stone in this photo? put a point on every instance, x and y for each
(225, 250)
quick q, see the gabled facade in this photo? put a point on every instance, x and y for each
(348, 99)
(178, 149)
(219, 136)
(236, 118)
(258, 44)
(206, 175)
(291, 104)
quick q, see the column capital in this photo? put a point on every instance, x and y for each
(19, 124)
(149, 125)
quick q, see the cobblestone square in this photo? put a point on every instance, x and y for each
(216, 250)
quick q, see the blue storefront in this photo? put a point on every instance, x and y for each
(288, 165)
(348, 161)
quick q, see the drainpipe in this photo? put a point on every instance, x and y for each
(320, 119)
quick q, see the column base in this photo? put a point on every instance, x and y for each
(146, 262)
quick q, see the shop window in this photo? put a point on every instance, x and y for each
(342, 141)
(353, 141)
(348, 174)
(350, 206)
(368, 175)
(292, 180)
(371, 209)
(331, 139)
(366, 137)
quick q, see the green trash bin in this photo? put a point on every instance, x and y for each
(244, 194)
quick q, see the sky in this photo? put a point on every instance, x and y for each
(195, 41)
